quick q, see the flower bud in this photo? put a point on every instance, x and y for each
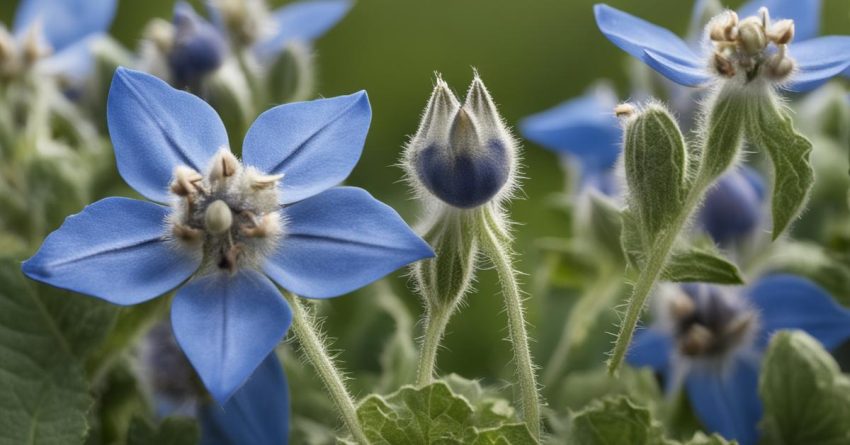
(752, 37)
(198, 48)
(732, 211)
(463, 155)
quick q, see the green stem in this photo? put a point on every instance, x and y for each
(435, 327)
(499, 254)
(652, 268)
(596, 299)
(305, 329)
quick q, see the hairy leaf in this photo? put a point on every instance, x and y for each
(700, 265)
(806, 398)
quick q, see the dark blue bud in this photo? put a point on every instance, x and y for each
(462, 154)
(733, 207)
(168, 372)
(198, 48)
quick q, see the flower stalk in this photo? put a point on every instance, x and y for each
(313, 345)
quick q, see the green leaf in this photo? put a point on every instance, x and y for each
(695, 264)
(615, 420)
(771, 128)
(630, 240)
(656, 169)
(579, 389)
(605, 225)
(435, 415)
(172, 431)
(724, 130)
(43, 336)
(806, 398)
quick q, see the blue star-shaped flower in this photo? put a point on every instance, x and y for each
(583, 129)
(816, 59)
(67, 30)
(228, 227)
(711, 339)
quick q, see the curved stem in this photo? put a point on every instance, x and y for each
(652, 268)
(501, 258)
(435, 328)
(313, 346)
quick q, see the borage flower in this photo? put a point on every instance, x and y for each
(710, 339)
(55, 36)
(585, 130)
(229, 227)
(749, 48)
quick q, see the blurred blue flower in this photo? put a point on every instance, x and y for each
(198, 48)
(817, 59)
(231, 228)
(258, 412)
(67, 30)
(585, 130)
(711, 339)
(733, 210)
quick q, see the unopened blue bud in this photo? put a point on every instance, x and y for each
(462, 154)
(733, 207)
(198, 48)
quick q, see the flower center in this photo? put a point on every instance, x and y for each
(232, 211)
(751, 46)
(709, 323)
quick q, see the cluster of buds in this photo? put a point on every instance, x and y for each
(245, 20)
(19, 55)
(744, 46)
(232, 211)
(462, 154)
(708, 322)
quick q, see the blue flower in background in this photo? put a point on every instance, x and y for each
(229, 227)
(198, 48)
(733, 207)
(583, 129)
(65, 31)
(259, 412)
(710, 339)
(809, 62)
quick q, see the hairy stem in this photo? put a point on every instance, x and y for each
(655, 261)
(314, 348)
(500, 255)
(435, 327)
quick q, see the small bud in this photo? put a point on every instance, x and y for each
(462, 155)
(656, 164)
(265, 182)
(198, 48)
(782, 32)
(723, 66)
(725, 28)
(224, 165)
(185, 181)
(752, 37)
(218, 218)
(624, 110)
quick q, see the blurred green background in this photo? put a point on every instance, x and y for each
(532, 55)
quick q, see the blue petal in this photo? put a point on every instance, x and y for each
(818, 60)
(339, 241)
(584, 127)
(73, 63)
(314, 144)
(804, 13)
(156, 128)
(64, 22)
(637, 37)
(227, 324)
(727, 401)
(651, 348)
(791, 302)
(257, 413)
(115, 250)
(302, 22)
(681, 73)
